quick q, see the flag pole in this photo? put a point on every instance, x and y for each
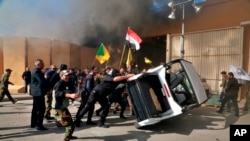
(124, 46)
(93, 61)
(94, 58)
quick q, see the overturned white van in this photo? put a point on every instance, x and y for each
(165, 91)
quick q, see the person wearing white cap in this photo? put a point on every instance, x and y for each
(61, 94)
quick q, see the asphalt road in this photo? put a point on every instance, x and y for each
(202, 123)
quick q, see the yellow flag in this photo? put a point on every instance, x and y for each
(130, 58)
(147, 61)
(102, 54)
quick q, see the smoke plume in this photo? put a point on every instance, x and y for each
(83, 22)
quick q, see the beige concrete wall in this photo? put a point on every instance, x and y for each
(75, 56)
(14, 57)
(20, 52)
(38, 49)
(1, 56)
(88, 57)
(60, 52)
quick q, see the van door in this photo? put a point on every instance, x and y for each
(195, 81)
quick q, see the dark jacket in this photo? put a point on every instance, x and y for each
(232, 87)
(38, 85)
(26, 76)
(107, 85)
(89, 82)
(59, 91)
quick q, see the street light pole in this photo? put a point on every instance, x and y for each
(172, 16)
(182, 32)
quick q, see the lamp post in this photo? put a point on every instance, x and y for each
(172, 16)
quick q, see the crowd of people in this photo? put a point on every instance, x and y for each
(52, 90)
(229, 94)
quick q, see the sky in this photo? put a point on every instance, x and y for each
(83, 22)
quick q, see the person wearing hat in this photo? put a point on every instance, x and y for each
(100, 93)
(4, 86)
(231, 91)
(60, 101)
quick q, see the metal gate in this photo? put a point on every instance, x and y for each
(210, 52)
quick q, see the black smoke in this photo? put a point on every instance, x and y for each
(83, 22)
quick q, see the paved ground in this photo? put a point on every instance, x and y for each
(198, 124)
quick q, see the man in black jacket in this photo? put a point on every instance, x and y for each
(38, 89)
(232, 89)
(100, 93)
(26, 77)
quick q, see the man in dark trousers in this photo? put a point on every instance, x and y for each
(231, 91)
(116, 96)
(100, 93)
(26, 77)
(38, 89)
(89, 84)
(5, 85)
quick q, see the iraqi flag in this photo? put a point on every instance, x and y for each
(133, 40)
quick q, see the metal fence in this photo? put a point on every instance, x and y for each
(210, 52)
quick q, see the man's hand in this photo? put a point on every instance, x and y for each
(74, 96)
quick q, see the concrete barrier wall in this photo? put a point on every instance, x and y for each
(37, 49)
(18, 53)
(75, 56)
(60, 52)
(14, 57)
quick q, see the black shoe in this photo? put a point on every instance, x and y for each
(32, 126)
(73, 137)
(14, 101)
(70, 138)
(42, 128)
(219, 111)
(123, 117)
(114, 112)
(77, 124)
(97, 113)
(237, 115)
(90, 123)
(100, 124)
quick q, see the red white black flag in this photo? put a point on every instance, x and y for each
(133, 40)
